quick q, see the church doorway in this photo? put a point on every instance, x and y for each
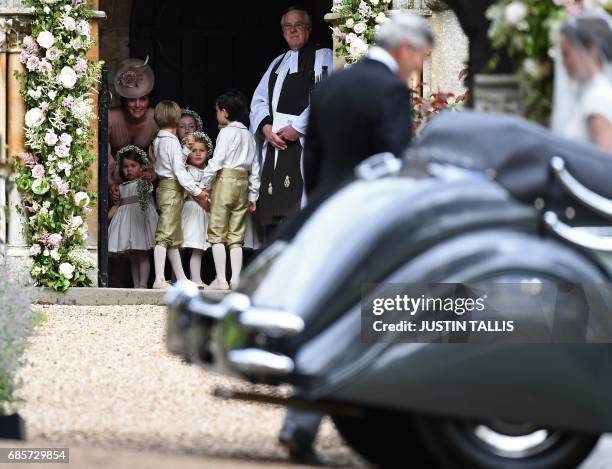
(200, 49)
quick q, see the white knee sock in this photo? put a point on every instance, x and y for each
(175, 261)
(218, 251)
(236, 263)
(195, 265)
(144, 269)
(159, 254)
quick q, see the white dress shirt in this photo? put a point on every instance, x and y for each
(170, 163)
(381, 55)
(236, 149)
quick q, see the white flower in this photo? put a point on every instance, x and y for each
(37, 93)
(79, 131)
(76, 222)
(40, 186)
(49, 2)
(66, 269)
(54, 253)
(46, 252)
(374, 2)
(52, 53)
(381, 18)
(66, 167)
(358, 48)
(62, 151)
(350, 37)
(67, 77)
(52, 94)
(68, 8)
(38, 171)
(47, 10)
(81, 199)
(515, 12)
(534, 69)
(50, 138)
(46, 204)
(34, 117)
(83, 28)
(81, 109)
(349, 23)
(360, 28)
(69, 23)
(66, 139)
(45, 39)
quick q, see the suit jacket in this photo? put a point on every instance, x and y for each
(354, 114)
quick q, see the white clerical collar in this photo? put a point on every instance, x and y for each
(381, 55)
(290, 61)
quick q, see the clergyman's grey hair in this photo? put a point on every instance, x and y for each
(307, 18)
(404, 27)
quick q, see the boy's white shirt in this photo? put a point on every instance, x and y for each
(235, 149)
(170, 163)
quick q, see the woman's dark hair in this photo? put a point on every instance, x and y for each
(590, 31)
(235, 104)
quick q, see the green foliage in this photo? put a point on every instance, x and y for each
(528, 30)
(53, 176)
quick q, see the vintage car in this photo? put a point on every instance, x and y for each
(479, 197)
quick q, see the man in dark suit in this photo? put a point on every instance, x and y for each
(365, 109)
(354, 114)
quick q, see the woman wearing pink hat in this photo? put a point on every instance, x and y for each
(132, 123)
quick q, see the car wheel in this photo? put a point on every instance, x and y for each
(385, 438)
(459, 444)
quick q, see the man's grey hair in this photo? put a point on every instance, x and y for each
(404, 27)
(307, 18)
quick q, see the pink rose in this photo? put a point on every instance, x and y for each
(44, 106)
(81, 67)
(68, 102)
(50, 138)
(35, 250)
(44, 66)
(52, 53)
(66, 139)
(60, 186)
(23, 57)
(62, 151)
(32, 63)
(28, 159)
(38, 171)
(54, 240)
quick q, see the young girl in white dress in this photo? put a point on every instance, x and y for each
(134, 218)
(194, 219)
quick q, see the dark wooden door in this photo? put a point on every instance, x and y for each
(199, 49)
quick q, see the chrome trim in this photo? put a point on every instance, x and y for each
(257, 361)
(579, 236)
(185, 297)
(273, 323)
(592, 200)
(378, 166)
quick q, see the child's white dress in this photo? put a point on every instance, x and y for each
(194, 219)
(132, 229)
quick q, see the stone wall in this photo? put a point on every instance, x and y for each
(450, 55)
(114, 36)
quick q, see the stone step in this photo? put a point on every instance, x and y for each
(107, 296)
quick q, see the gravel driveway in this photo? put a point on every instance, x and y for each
(99, 380)
(101, 376)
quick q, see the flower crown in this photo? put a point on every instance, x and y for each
(188, 112)
(197, 135)
(133, 148)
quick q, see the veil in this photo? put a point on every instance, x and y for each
(588, 26)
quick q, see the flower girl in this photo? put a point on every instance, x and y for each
(133, 219)
(194, 219)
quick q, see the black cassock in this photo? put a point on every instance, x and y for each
(282, 186)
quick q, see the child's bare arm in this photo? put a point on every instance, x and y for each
(111, 212)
